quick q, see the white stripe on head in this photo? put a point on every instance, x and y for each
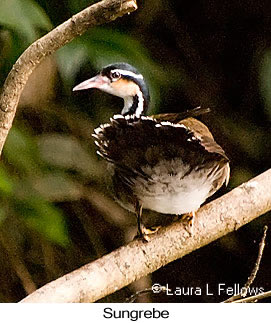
(128, 73)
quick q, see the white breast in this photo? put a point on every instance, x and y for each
(170, 191)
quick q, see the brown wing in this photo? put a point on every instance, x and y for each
(196, 127)
(207, 141)
(204, 135)
(177, 117)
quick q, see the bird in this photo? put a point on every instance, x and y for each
(168, 163)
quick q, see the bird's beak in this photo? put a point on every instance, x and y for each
(97, 82)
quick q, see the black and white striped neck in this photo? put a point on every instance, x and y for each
(135, 105)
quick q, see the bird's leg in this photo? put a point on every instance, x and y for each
(142, 231)
(189, 218)
(140, 225)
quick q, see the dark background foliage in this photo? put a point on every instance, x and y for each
(56, 213)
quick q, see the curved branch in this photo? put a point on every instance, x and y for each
(137, 259)
(97, 14)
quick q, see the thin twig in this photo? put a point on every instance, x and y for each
(254, 298)
(257, 264)
(254, 272)
(133, 297)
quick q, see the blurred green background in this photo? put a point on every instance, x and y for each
(56, 213)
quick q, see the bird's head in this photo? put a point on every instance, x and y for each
(122, 80)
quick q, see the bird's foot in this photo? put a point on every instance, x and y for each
(188, 220)
(145, 233)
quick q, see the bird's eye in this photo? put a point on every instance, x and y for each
(115, 75)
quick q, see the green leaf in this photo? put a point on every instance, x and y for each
(70, 58)
(45, 218)
(6, 184)
(24, 17)
(3, 214)
(107, 46)
(21, 151)
(67, 152)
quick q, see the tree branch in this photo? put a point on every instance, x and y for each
(137, 259)
(97, 14)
